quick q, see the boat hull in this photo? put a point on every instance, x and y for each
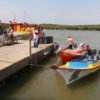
(71, 76)
(67, 55)
(76, 69)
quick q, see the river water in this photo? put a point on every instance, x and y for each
(46, 84)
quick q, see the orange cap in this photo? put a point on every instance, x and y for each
(69, 36)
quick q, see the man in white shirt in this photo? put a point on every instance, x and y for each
(70, 42)
(11, 34)
(43, 35)
(36, 37)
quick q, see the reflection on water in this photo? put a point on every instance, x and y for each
(46, 84)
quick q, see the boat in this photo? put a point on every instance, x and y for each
(21, 28)
(76, 69)
(66, 54)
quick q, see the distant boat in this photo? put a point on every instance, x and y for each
(21, 28)
(66, 54)
(77, 69)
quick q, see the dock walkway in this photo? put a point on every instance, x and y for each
(15, 57)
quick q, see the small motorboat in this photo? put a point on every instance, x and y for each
(77, 69)
(66, 54)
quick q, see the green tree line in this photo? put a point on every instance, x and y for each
(71, 27)
(67, 27)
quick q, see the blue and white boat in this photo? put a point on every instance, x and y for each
(76, 69)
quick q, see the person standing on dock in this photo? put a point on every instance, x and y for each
(43, 35)
(36, 37)
(11, 33)
(70, 42)
(39, 33)
(1, 28)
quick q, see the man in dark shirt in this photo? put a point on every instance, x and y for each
(1, 28)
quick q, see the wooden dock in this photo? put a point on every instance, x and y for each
(15, 57)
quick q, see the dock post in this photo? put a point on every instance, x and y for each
(30, 55)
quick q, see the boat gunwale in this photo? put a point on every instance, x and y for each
(73, 53)
(80, 68)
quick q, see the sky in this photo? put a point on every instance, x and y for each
(64, 12)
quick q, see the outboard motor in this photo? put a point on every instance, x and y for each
(98, 56)
(99, 52)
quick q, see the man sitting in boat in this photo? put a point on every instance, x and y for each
(70, 42)
(91, 54)
(94, 55)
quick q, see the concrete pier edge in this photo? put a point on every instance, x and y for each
(11, 69)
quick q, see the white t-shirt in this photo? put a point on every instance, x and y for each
(70, 41)
(11, 31)
(36, 35)
(81, 46)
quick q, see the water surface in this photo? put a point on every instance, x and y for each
(46, 84)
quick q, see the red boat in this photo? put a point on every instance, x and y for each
(69, 54)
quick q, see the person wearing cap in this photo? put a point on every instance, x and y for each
(81, 45)
(70, 42)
